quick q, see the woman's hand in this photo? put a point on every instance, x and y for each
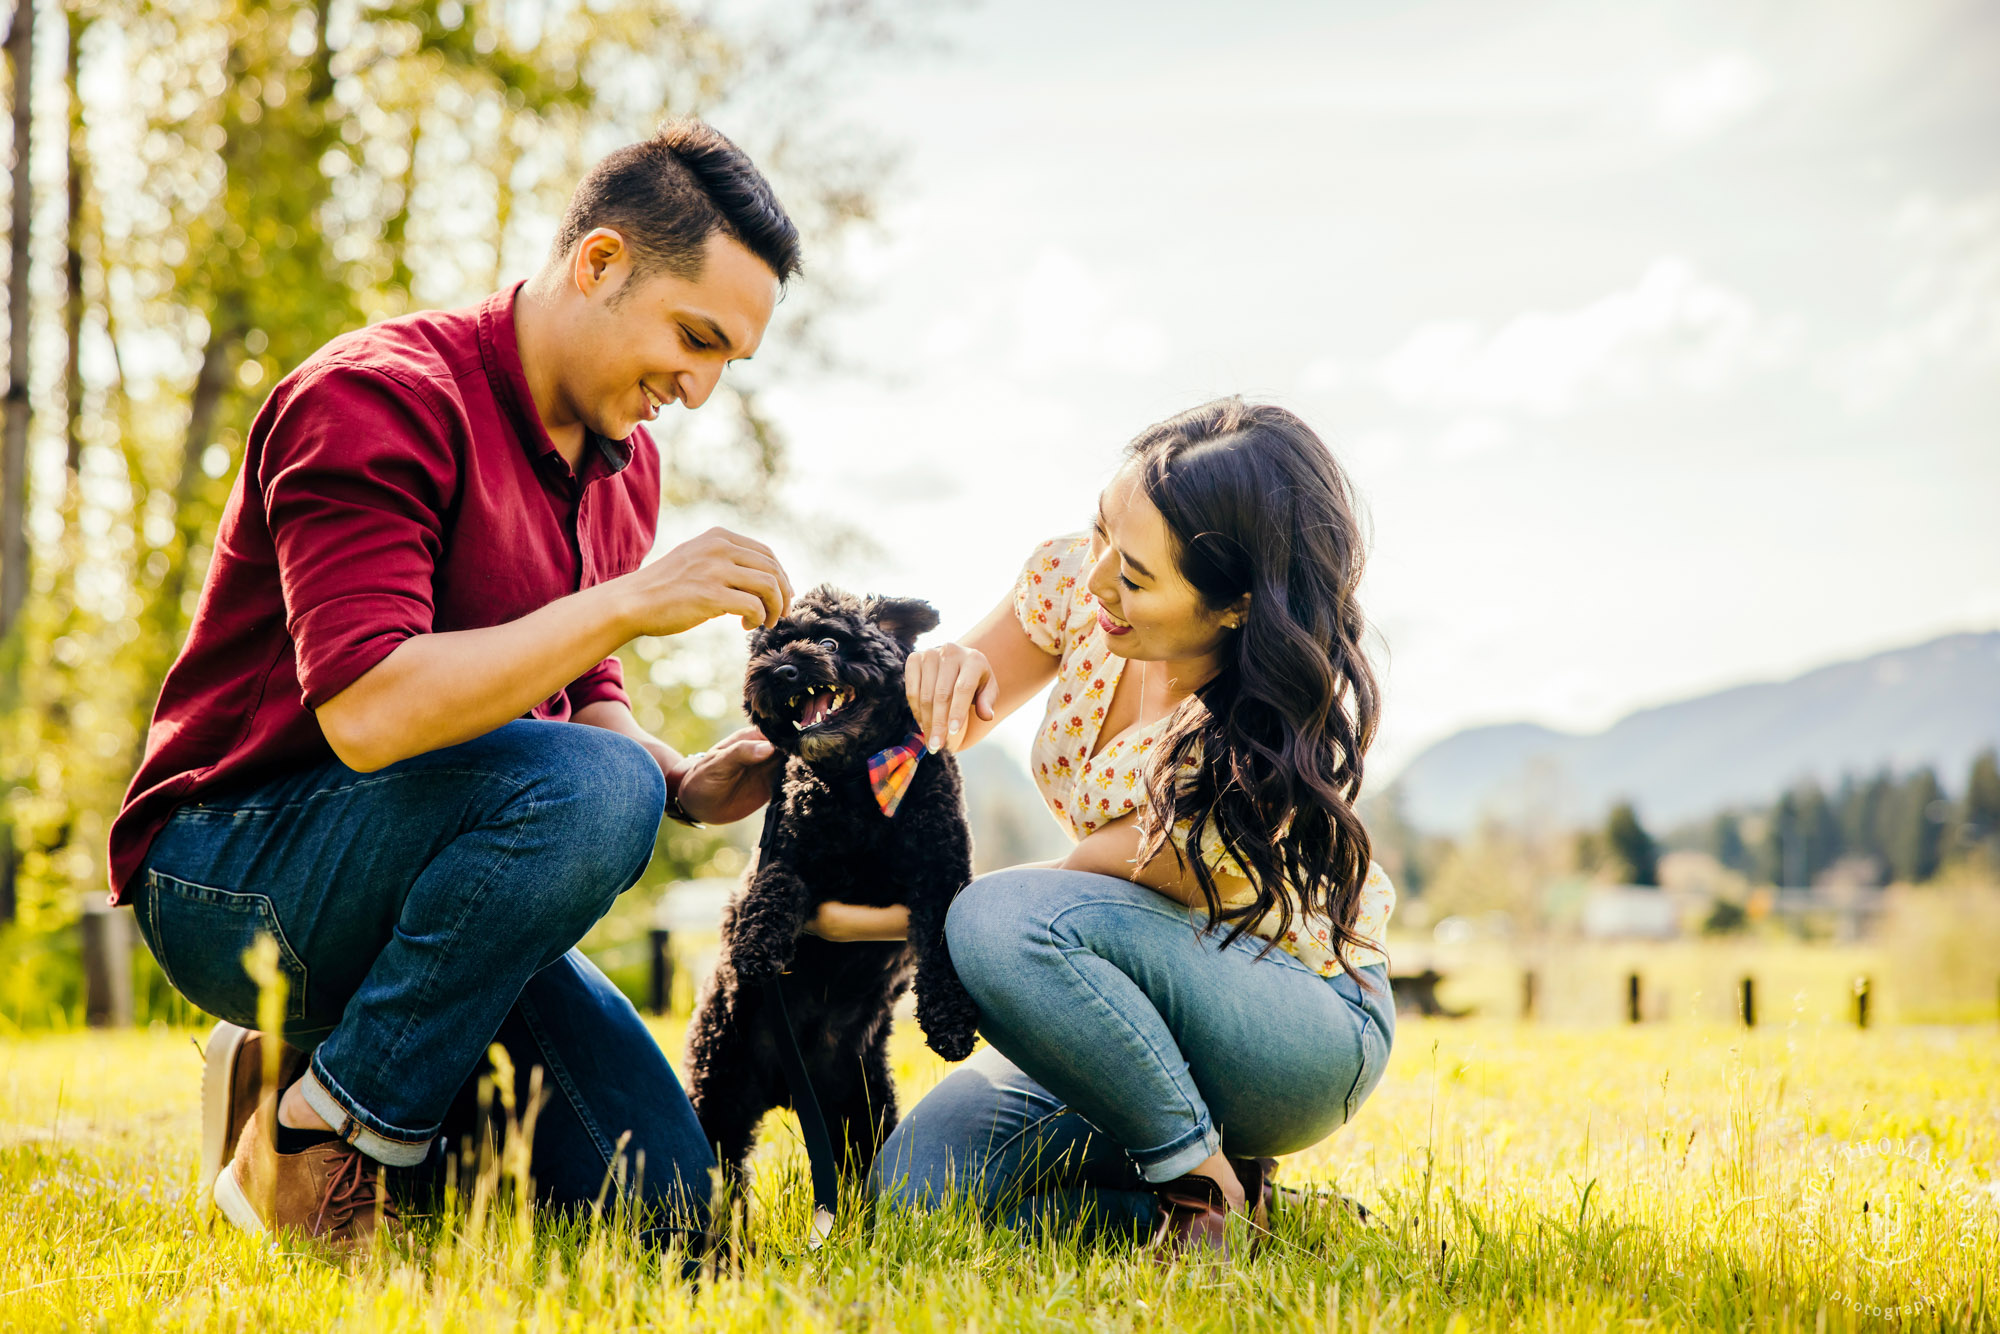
(946, 685)
(957, 692)
(852, 921)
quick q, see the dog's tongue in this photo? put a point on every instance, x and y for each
(817, 706)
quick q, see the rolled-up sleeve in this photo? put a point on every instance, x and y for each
(356, 477)
(604, 682)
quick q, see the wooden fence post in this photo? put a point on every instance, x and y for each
(1749, 1004)
(1527, 993)
(662, 988)
(107, 966)
(1632, 999)
(1861, 1001)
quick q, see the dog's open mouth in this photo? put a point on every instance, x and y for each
(817, 705)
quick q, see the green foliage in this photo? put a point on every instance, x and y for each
(1913, 840)
(1629, 849)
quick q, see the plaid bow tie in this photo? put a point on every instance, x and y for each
(891, 771)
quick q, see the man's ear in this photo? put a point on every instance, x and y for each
(596, 252)
(903, 618)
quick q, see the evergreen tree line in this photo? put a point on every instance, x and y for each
(1888, 828)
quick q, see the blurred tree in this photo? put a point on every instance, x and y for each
(1629, 849)
(1725, 841)
(1979, 820)
(1864, 807)
(14, 429)
(270, 174)
(1916, 822)
(1405, 853)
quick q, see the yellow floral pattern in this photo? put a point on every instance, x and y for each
(1087, 791)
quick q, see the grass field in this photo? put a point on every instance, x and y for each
(1806, 1177)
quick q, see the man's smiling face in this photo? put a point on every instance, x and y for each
(652, 338)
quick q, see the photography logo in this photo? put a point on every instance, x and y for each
(1891, 1200)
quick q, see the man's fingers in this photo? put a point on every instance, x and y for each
(745, 607)
(762, 585)
(752, 554)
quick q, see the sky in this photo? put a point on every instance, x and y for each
(1661, 341)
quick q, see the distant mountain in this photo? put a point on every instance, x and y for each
(1936, 703)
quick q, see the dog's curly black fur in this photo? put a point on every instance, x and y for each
(826, 838)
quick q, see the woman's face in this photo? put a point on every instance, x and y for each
(1149, 611)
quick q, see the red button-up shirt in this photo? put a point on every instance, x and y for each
(399, 482)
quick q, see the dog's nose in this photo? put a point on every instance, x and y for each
(785, 672)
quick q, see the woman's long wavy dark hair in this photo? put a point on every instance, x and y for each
(1257, 505)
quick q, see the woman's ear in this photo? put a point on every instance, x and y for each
(1238, 612)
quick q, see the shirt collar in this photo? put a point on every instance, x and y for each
(500, 350)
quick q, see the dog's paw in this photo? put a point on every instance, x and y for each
(754, 966)
(954, 1045)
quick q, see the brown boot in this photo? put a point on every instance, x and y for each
(332, 1192)
(232, 1081)
(1258, 1176)
(1194, 1219)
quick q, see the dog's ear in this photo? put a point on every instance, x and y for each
(903, 618)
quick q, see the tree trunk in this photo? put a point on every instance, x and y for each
(211, 383)
(73, 272)
(14, 441)
(14, 434)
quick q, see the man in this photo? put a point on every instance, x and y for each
(397, 740)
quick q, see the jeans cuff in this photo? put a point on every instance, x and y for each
(373, 1136)
(1181, 1157)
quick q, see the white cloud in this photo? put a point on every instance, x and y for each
(1066, 320)
(1673, 328)
(1705, 99)
(1471, 436)
(1946, 301)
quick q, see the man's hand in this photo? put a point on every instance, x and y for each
(719, 573)
(731, 780)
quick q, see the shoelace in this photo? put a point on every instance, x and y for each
(350, 1186)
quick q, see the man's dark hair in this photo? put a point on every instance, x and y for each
(666, 195)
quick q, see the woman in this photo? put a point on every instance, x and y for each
(1207, 690)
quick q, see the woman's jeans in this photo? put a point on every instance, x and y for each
(1126, 1048)
(425, 911)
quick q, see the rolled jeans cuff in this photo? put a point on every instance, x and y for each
(386, 1144)
(1181, 1157)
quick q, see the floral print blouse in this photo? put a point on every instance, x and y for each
(1087, 791)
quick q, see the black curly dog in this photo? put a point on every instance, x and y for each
(825, 684)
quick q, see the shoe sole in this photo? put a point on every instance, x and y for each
(218, 1073)
(235, 1206)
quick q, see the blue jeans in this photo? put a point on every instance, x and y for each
(425, 911)
(1127, 1046)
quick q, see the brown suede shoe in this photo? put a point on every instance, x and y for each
(1194, 1220)
(232, 1080)
(331, 1192)
(1258, 1176)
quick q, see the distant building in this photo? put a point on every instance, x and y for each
(1630, 912)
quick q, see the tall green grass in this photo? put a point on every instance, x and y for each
(1801, 1177)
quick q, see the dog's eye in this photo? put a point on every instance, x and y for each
(829, 645)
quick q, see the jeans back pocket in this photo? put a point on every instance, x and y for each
(199, 936)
